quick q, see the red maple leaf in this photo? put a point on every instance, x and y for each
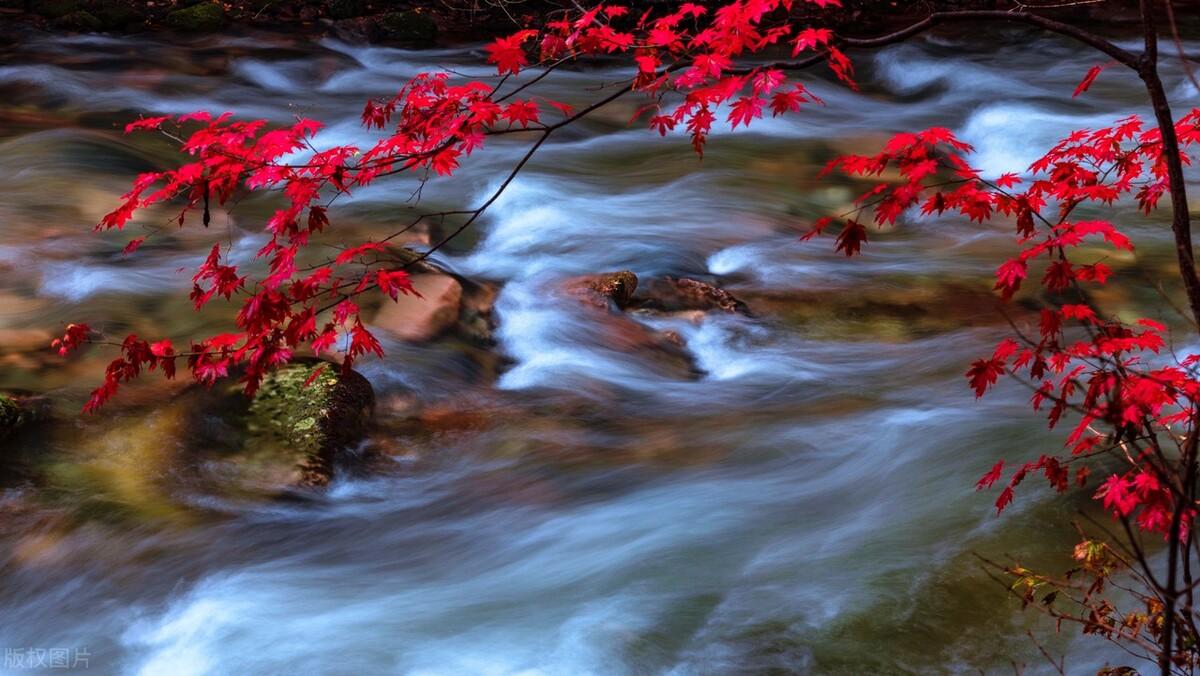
(509, 53)
(850, 240)
(1087, 80)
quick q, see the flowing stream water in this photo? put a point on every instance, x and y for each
(805, 505)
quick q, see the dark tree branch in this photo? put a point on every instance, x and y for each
(1017, 15)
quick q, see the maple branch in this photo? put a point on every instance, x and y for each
(550, 129)
(1183, 58)
(1019, 14)
(477, 212)
(1147, 68)
(1181, 223)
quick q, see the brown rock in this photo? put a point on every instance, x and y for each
(682, 294)
(421, 318)
(665, 348)
(604, 290)
(477, 322)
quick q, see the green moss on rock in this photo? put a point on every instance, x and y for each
(10, 415)
(203, 17)
(19, 411)
(314, 411)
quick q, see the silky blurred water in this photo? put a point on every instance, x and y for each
(806, 505)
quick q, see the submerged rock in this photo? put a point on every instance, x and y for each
(666, 350)
(313, 412)
(24, 348)
(614, 291)
(125, 468)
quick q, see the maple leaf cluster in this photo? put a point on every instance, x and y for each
(1129, 399)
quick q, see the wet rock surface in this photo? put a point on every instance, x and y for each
(627, 298)
(608, 290)
(314, 411)
(18, 410)
(425, 315)
(682, 294)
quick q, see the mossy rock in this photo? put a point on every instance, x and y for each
(412, 27)
(54, 9)
(19, 411)
(81, 21)
(10, 415)
(207, 16)
(314, 411)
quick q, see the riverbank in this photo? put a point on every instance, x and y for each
(428, 24)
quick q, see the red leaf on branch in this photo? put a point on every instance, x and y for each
(1005, 499)
(811, 38)
(983, 374)
(509, 53)
(850, 240)
(991, 477)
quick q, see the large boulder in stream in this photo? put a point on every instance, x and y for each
(311, 412)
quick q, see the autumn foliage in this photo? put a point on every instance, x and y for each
(1125, 399)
